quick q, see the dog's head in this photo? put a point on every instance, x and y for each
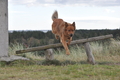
(70, 29)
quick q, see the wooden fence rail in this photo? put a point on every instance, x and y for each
(49, 52)
(59, 44)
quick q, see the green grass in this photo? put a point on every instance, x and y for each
(63, 67)
(68, 72)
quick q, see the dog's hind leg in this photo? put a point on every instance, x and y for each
(56, 36)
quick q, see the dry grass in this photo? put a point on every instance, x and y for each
(109, 52)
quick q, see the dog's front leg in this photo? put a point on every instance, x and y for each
(69, 41)
(65, 45)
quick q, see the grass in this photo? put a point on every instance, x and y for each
(68, 72)
(63, 67)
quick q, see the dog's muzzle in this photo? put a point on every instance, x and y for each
(71, 35)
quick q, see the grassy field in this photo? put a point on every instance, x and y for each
(63, 67)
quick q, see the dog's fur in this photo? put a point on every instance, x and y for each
(63, 31)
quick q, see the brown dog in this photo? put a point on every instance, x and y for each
(63, 30)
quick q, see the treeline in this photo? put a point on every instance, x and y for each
(38, 38)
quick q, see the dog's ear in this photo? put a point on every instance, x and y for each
(66, 24)
(74, 24)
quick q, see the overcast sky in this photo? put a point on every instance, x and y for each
(88, 14)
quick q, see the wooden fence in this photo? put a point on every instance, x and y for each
(49, 52)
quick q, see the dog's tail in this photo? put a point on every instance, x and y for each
(55, 15)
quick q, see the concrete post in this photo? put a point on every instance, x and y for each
(3, 28)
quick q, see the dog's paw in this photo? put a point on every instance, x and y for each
(67, 53)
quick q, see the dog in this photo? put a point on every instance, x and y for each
(63, 31)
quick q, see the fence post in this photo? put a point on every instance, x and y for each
(3, 28)
(90, 56)
(49, 54)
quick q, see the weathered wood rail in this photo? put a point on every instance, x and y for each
(85, 41)
(59, 44)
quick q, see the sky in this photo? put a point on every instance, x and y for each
(87, 14)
